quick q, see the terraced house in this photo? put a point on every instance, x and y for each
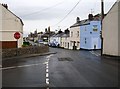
(90, 32)
(9, 24)
(111, 31)
(65, 40)
(75, 35)
(85, 34)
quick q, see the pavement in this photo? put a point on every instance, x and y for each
(30, 55)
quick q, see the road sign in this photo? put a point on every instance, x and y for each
(17, 35)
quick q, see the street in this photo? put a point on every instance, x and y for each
(66, 68)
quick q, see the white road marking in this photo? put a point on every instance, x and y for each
(92, 52)
(99, 54)
(49, 56)
(47, 81)
(47, 75)
(19, 66)
(47, 70)
(29, 65)
(96, 55)
(46, 67)
(8, 68)
(45, 63)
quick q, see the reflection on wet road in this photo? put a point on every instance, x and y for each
(67, 68)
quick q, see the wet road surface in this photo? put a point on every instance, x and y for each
(67, 68)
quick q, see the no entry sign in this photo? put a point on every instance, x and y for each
(17, 35)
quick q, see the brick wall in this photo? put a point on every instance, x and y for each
(24, 51)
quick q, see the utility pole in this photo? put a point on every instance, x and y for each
(102, 17)
(102, 9)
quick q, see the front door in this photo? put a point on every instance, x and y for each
(68, 45)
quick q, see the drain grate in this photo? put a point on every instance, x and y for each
(65, 59)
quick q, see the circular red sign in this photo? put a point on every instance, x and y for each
(17, 35)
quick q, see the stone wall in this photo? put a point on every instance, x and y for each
(24, 51)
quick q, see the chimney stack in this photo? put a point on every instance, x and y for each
(5, 5)
(77, 20)
(90, 17)
(49, 29)
(46, 30)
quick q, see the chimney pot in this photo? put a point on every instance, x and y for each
(90, 16)
(45, 29)
(5, 5)
(78, 20)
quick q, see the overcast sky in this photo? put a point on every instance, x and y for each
(39, 14)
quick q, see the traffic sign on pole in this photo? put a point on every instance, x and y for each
(17, 35)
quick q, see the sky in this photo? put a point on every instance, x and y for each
(40, 14)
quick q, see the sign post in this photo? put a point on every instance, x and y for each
(17, 36)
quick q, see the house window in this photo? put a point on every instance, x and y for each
(71, 34)
(77, 33)
(85, 41)
(70, 43)
(78, 44)
(65, 44)
(95, 28)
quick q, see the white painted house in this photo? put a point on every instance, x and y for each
(9, 24)
(75, 35)
(65, 41)
(56, 39)
(111, 31)
(90, 34)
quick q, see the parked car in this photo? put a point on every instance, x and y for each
(53, 44)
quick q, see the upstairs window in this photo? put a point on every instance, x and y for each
(95, 28)
(77, 33)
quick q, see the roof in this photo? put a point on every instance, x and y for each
(82, 22)
(112, 7)
(65, 35)
(86, 21)
(48, 34)
(75, 25)
(13, 14)
(57, 35)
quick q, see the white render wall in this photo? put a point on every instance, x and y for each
(65, 40)
(10, 25)
(74, 37)
(110, 32)
(119, 28)
(55, 39)
(0, 22)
